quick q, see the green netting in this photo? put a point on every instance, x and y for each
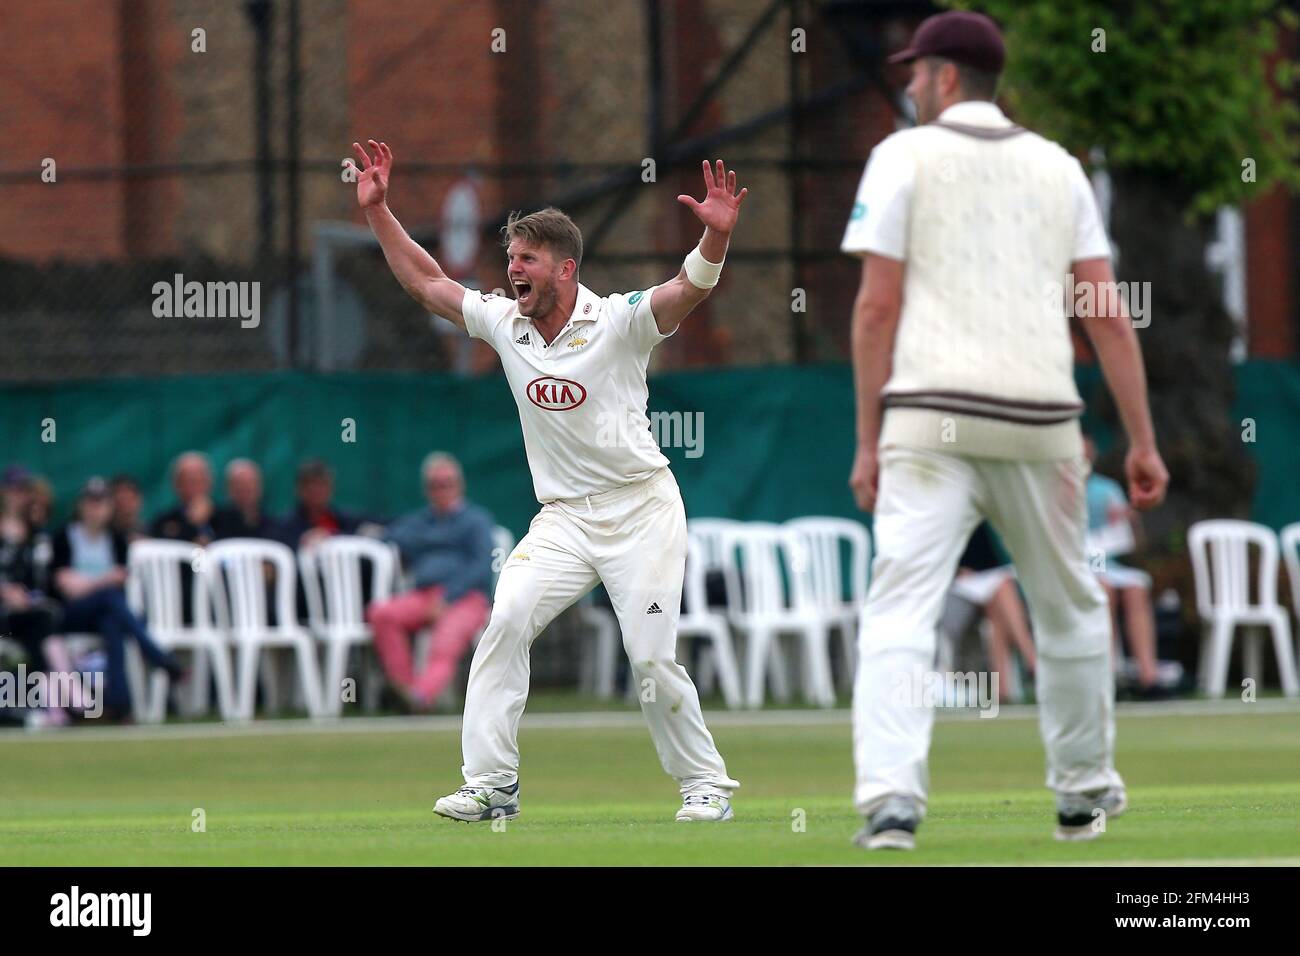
(777, 442)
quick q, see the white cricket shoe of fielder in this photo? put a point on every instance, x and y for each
(480, 804)
(706, 807)
(892, 827)
(1078, 815)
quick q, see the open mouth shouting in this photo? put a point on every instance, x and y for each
(523, 292)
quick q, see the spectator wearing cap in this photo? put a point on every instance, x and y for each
(127, 505)
(89, 571)
(191, 519)
(243, 517)
(447, 547)
(315, 516)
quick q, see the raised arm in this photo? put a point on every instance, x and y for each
(416, 270)
(672, 301)
(1120, 354)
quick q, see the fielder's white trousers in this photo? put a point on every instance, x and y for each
(928, 505)
(632, 539)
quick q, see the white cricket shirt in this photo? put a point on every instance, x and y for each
(581, 399)
(879, 220)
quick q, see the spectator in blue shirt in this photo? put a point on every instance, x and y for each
(446, 549)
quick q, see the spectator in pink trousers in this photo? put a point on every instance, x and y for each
(446, 549)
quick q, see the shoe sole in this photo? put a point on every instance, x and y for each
(726, 817)
(487, 816)
(891, 840)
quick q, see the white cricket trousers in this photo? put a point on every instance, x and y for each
(928, 505)
(633, 539)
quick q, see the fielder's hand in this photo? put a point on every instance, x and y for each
(865, 478)
(1147, 478)
(372, 178)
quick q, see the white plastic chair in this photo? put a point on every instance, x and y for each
(717, 540)
(1221, 568)
(775, 599)
(700, 621)
(336, 608)
(598, 669)
(1291, 556)
(236, 575)
(822, 540)
(154, 590)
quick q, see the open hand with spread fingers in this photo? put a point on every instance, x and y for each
(372, 177)
(721, 203)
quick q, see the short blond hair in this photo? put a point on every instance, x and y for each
(549, 227)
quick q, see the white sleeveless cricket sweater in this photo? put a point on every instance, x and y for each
(983, 362)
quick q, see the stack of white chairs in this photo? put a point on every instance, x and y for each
(336, 607)
(154, 590)
(824, 540)
(775, 600)
(1222, 568)
(236, 570)
(791, 579)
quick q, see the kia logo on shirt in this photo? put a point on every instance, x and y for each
(555, 394)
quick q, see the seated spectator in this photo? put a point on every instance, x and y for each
(89, 571)
(987, 581)
(315, 517)
(447, 548)
(243, 517)
(127, 505)
(42, 504)
(191, 519)
(27, 614)
(1128, 589)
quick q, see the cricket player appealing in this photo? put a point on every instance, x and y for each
(611, 509)
(969, 228)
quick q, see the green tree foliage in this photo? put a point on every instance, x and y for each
(1179, 89)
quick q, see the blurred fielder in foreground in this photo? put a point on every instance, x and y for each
(970, 229)
(611, 509)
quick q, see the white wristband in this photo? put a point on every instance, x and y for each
(702, 273)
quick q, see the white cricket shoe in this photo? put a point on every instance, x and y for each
(1077, 814)
(892, 827)
(478, 804)
(705, 807)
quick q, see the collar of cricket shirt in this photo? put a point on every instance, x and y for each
(975, 113)
(586, 308)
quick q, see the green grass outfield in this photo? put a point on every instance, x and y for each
(1205, 786)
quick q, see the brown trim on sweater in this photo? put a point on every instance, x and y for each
(986, 406)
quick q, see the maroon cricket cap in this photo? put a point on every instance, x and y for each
(971, 39)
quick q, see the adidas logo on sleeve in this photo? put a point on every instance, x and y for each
(654, 608)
